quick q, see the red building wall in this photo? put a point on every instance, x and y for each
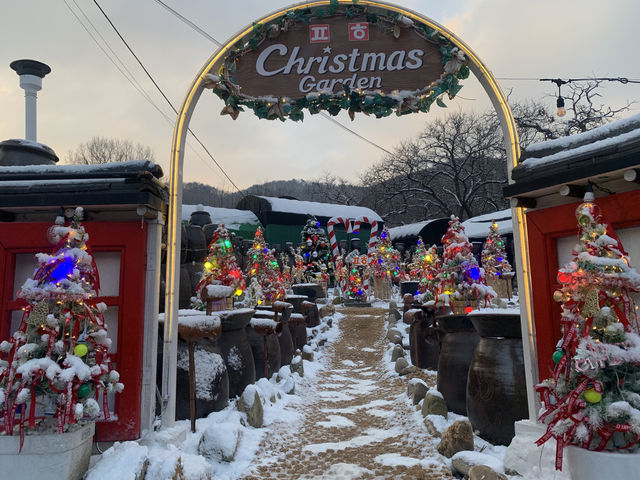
(129, 240)
(545, 227)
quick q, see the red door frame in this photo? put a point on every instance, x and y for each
(129, 239)
(545, 227)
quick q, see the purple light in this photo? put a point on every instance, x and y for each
(474, 273)
(62, 270)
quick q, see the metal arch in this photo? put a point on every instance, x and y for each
(507, 123)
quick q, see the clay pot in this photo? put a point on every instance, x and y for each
(409, 287)
(298, 329)
(458, 342)
(310, 310)
(236, 349)
(284, 337)
(423, 340)
(496, 377)
(256, 337)
(311, 290)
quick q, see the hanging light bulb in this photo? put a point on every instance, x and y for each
(560, 104)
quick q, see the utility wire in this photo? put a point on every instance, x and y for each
(213, 40)
(126, 73)
(189, 22)
(163, 94)
(328, 117)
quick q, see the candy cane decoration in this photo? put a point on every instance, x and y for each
(333, 242)
(372, 242)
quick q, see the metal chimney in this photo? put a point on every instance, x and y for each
(31, 74)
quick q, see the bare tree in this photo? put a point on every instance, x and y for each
(100, 150)
(584, 109)
(457, 165)
(332, 189)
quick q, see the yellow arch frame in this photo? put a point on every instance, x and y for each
(507, 123)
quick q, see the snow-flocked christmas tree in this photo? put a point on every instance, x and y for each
(264, 268)
(494, 256)
(461, 278)
(57, 362)
(315, 251)
(593, 398)
(221, 277)
(385, 259)
(430, 266)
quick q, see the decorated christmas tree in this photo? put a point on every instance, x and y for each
(494, 256)
(264, 268)
(221, 278)
(355, 277)
(57, 363)
(593, 398)
(461, 278)
(385, 259)
(430, 269)
(314, 250)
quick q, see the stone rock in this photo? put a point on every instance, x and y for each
(250, 403)
(419, 392)
(394, 314)
(411, 369)
(337, 300)
(401, 365)
(412, 386)
(397, 352)
(411, 315)
(434, 405)
(327, 310)
(432, 428)
(482, 472)
(307, 354)
(463, 461)
(394, 336)
(297, 366)
(217, 447)
(457, 437)
(393, 304)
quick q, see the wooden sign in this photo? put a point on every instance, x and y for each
(326, 57)
(338, 57)
(359, 260)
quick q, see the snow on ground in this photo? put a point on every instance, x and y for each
(123, 460)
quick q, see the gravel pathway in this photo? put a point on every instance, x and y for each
(356, 419)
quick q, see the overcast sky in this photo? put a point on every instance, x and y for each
(86, 96)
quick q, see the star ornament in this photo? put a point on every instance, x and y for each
(326, 49)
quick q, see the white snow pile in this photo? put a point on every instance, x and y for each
(219, 291)
(224, 445)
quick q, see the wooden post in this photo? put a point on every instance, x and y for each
(192, 386)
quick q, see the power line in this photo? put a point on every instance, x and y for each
(163, 94)
(623, 80)
(126, 73)
(189, 22)
(210, 38)
(355, 133)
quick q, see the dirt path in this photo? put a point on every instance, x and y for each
(357, 419)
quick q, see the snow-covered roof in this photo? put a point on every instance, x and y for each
(544, 166)
(586, 143)
(478, 227)
(409, 229)
(231, 217)
(320, 209)
(87, 171)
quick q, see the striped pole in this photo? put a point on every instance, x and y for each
(333, 242)
(372, 243)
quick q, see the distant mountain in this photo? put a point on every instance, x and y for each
(313, 191)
